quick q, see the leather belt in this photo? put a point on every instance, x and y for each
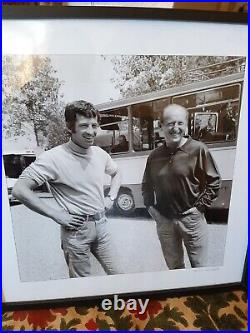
(97, 216)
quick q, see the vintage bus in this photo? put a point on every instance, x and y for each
(130, 129)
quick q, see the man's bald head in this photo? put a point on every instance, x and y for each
(174, 124)
(174, 108)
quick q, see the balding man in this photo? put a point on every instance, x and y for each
(180, 181)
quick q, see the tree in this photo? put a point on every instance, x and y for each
(141, 74)
(57, 132)
(11, 95)
(35, 99)
(10, 79)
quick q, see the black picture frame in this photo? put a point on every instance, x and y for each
(135, 13)
(102, 13)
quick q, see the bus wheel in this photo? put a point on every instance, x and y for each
(125, 203)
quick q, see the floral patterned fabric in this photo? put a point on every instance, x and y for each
(206, 311)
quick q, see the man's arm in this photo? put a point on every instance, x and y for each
(148, 192)
(114, 188)
(24, 192)
(147, 187)
(211, 179)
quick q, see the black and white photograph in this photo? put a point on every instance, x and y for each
(165, 107)
(121, 169)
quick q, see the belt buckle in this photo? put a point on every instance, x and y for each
(98, 216)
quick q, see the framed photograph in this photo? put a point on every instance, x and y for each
(208, 119)
(166, 83)
(205, 124)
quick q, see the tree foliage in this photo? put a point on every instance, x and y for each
(11, 95)
(141, 74)
(57, 132)
(31, 94)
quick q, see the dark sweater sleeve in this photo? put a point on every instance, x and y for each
(210, 180)
(147, 186)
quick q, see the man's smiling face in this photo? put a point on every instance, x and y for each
(174, 124)
(85, 131)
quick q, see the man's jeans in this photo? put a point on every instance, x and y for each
(190, 229)
(94, 237)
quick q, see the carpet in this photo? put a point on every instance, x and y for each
(215, 311)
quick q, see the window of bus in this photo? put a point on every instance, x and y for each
(112, 135)
(147, 133)
(213, 113)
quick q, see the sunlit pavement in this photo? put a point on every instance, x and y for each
(136, 243)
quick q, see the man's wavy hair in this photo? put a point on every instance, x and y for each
(83, 108)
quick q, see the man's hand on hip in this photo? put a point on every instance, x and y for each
(69, 221)
(108, 203)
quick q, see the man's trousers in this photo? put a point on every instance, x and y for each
(190, 230)
(92, 237)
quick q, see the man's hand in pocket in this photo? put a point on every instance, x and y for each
(192, 210)
(154, 213)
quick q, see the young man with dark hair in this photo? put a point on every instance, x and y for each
(75, 172)
(180, 181)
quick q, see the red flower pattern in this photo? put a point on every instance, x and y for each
(20, 315)
(91, 325)
(153, 308)
(62, 311)
(37, 318)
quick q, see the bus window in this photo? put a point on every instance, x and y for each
(188, 101)
(112, 135)
(143, 129)
(159, 105)
(213, 117)
(147, 133)
(204, 97)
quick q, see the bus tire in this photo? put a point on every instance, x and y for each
(125, 203)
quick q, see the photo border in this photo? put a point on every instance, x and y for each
(34, 12)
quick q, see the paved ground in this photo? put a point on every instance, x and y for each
(40, 258)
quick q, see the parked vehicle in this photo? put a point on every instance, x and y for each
(15, 162)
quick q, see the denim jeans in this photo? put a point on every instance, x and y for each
(190, 230)
(94, 237)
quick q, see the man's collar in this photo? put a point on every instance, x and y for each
(184, 147)
(76, 149)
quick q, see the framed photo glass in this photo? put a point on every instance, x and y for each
(131, 64)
